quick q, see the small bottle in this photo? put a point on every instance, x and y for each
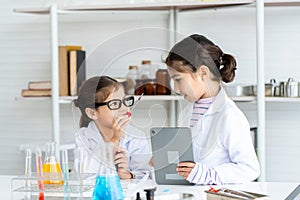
(138, 196)
(150, 86)
(132, 76)
(163, 81)
(145, 70)
(147, 75)
(150, 193)
(139, 87)
(51, 168)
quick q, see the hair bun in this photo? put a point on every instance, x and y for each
(228, 71)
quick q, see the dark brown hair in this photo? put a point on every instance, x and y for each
(197, 50)
(95, 89)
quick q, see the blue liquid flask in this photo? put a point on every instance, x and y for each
(108, 185)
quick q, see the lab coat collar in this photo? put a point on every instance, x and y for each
(91, 136)
(92, 129)
(218, 104)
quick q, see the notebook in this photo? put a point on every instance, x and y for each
(170, 146)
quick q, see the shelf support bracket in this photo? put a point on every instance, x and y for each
(55, 80)
(172, 40)
(260, 88)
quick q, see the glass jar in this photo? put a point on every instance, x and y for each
(163, 82)
(147, 70)
(149, 86)
(139, 87)
(132, 76)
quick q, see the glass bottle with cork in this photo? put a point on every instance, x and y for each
(132, 76)
(163, 81)
(147, 81)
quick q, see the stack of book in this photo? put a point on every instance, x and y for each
(72, 69)
(37, 89)
(72, 74)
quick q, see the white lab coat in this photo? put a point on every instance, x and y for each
(222, 140)
(135, 143)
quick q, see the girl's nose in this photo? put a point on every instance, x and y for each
(124, 108)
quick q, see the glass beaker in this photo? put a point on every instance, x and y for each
(51, 168)
(108, 185)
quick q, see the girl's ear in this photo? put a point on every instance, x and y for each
(91, 113)
(203, 72)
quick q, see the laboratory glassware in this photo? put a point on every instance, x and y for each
(51, 167)
(108, 185)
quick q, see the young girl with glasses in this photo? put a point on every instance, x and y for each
(104, 118)
(222, 145)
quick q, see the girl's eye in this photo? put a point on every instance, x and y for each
(177, 80)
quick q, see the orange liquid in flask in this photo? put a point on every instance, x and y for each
(53, 172)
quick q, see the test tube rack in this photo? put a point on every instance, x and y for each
(29, 187)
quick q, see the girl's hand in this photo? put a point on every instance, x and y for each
(118, 125)
(121, 161)
(184, 168)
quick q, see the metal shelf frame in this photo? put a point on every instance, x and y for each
(173, 9)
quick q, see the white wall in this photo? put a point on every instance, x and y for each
(25, 56)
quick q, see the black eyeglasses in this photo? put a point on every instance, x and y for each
(115, 104)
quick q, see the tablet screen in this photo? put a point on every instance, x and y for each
(169, 146)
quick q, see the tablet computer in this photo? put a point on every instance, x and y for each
(170, 146)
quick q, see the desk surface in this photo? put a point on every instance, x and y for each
(275, 190)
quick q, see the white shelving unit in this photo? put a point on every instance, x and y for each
(282, 3)
(53, 11)
(69, 99)
(173, 9)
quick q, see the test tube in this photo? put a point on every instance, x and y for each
(28, 167)
(119, 151)
(65, 162)
(80, 167)
(129, 113)
(138, 100)
(38, 158)
(65, 166)
(80, 161)
(39, 164)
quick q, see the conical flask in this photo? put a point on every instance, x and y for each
(51, 168)
(108, 185)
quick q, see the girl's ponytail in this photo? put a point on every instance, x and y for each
(229, 66)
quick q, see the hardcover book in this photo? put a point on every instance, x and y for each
(36, 93)
(77, 70)
(39, 85)
(64, 74)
